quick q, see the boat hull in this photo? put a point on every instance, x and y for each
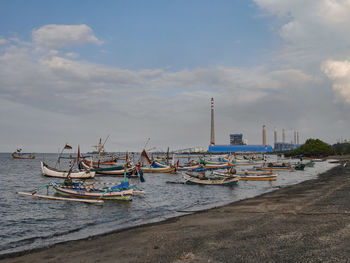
(52, 172)
(225, 181)
(80, 193)
(14, 156)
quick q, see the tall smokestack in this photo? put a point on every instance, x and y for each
(212, 133)
(297, 137)
(284, 136)
(275, 135)
(264, 135)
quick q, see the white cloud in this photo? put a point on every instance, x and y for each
(57, 36)
(145, 103)
(339, 73)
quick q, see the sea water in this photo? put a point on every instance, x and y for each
(28, 223)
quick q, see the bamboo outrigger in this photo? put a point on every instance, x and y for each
(62, 198)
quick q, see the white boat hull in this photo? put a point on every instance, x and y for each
(52, 172)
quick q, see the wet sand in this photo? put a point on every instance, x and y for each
(307, 222)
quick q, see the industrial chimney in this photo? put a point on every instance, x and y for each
(297, 137)
(264, 135)
(275, 135)
(212, 134)
(284, 136)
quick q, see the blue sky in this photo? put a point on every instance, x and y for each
(156, 34)
(75, 71)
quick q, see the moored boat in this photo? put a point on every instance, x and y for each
(81, 191)
(112, 170)
(53, 172)
(193, 179)
(245, 176)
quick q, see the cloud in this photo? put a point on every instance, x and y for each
(339, 73)
(313, 31)
(57, 36)
(169, 106)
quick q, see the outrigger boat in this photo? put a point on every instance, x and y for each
(79, 190)
(193, 179)
(53, 172)
(86, 192)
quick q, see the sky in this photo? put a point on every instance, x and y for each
(76, 71)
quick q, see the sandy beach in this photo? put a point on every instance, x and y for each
(307, 222)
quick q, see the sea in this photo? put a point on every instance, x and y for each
(28, 223)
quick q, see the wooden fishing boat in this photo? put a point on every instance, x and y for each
(98, 163)
(189, 168)
(192, 179)
(270, 177)
(53, 172)
(112, 171)
(79, 191)
(19, 155)
(262, 168)
(149, 166)
(169, 169)
(245, 176)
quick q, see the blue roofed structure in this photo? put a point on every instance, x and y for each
(240, 148)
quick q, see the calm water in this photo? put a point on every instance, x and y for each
(28, 223)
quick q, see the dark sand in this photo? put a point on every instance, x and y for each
(308, 222)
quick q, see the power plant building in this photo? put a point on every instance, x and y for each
(240, 148)
(236, 141)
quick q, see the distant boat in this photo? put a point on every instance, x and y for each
(19, 155)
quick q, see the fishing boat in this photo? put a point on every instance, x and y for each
(53, 172)
(86, 192)
(249, 176)
(191, 178)
(98, 163)
(80, 190)
(255, 177)
(19, 155)
(299, 166)
(148, 166)
(113, 170)
(275, 167)
(211, 165)
(193, 167)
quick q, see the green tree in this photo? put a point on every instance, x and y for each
(312, 148)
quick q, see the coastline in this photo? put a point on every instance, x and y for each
(302, 222)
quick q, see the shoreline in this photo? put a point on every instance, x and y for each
(187, 229)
